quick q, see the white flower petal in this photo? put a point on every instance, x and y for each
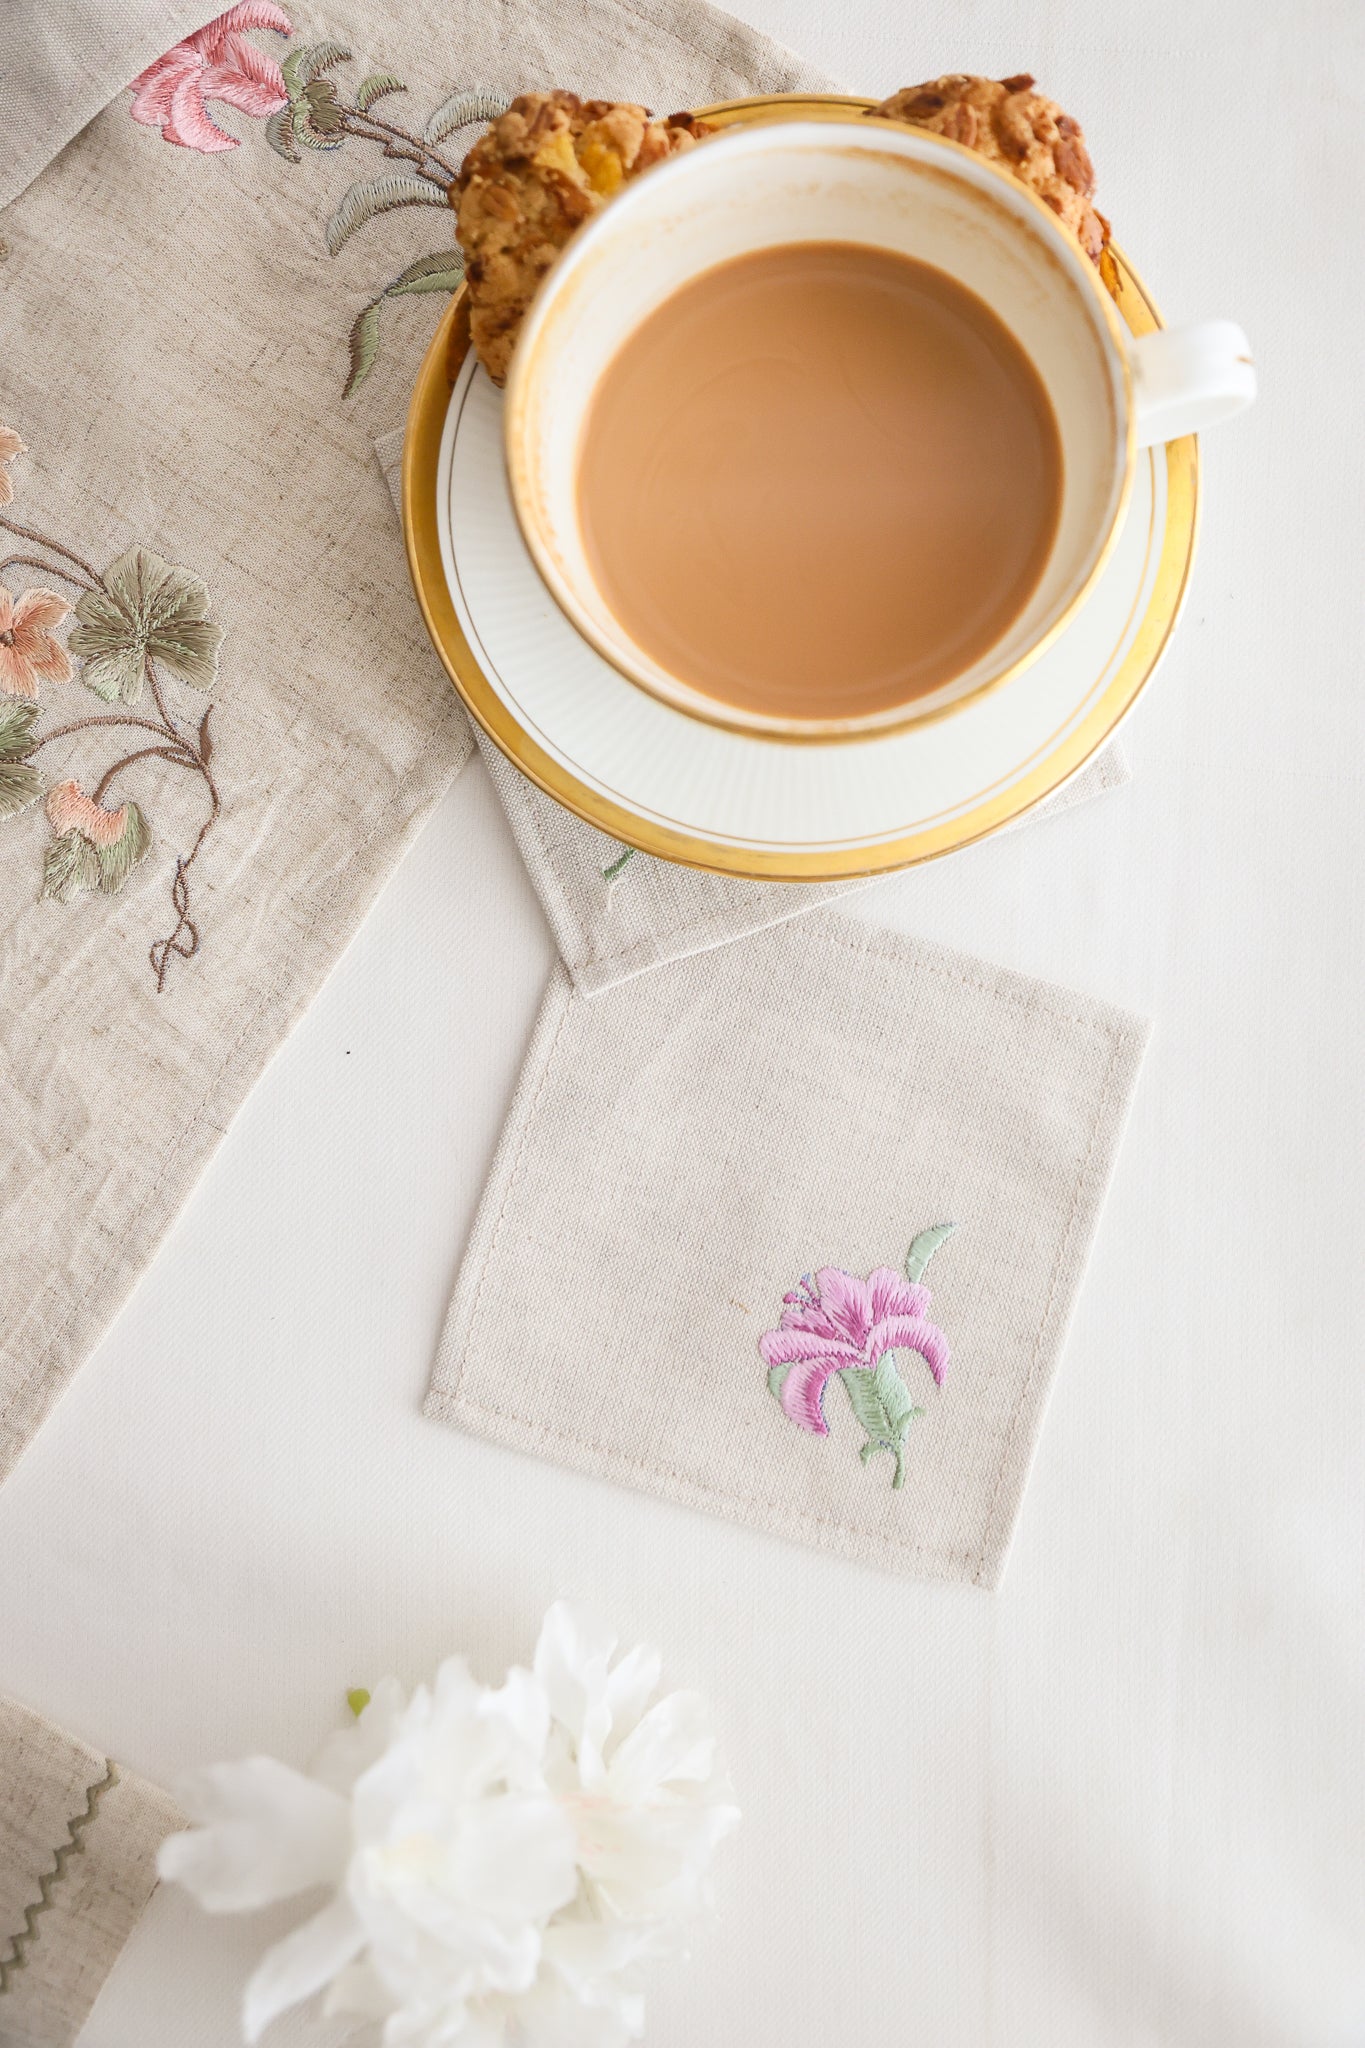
(268, 1832)
(300, 1965)
(521, 1712)
(571, 1662)
(348, 1753)
(359, 1990)
(674, 1742)
(515, 1858)
(629, 1688)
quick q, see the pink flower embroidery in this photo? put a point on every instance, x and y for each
(216, 63)
(28, 651)
(838, 1323)
(843, 1321)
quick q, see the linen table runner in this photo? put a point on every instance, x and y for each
(186, 299)
(78, 1843)
(792, 1231)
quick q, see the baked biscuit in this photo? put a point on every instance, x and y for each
(544, 167)
(1006, 120)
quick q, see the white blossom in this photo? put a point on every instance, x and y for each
(501, 1863)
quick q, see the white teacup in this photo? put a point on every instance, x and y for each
(881, 184)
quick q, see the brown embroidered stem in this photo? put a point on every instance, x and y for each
(179, 755)
(399, 145)
(159, 700)
(60, 732)
(184, 940)
(43, 541)
(48, 569)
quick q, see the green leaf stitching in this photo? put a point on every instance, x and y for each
(17, 720)
(884, 1408)
(379, 195)
(70, 866)
(375, 88)
(924, 1247)
(117, 862)
(302, 66)
(461, 110)
(776, 1375)
(279, 133)
(363, 342)
(445, 279)
(20, 785)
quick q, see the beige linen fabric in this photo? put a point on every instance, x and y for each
(681, 1152)
(78, 1843)
(610, 925)
(59, 66)
(173, 351)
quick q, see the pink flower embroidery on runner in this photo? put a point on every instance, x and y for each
(216, 63)
(839, 1324)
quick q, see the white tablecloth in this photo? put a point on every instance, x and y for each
(1122, 1802)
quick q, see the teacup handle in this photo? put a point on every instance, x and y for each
(1189, 378)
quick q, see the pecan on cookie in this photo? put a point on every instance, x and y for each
(1006, 120)
(544, 167)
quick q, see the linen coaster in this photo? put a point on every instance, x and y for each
(616, 913)
(78, 1843)
(719, 1190)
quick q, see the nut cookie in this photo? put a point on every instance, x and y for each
(544, 167)
(1005, 120)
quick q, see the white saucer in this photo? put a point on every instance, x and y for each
(653, 777)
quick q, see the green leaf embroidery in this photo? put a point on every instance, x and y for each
(279, 133)
(379, 195)
(616, 867)
(776, 1375)
(884, 1408)
(357, 1699)
(302, 66)
(924, 1247)
(117, 862)
(70, 866)
(461, 110)
(149, 608)
(375, 88)
(363, 342)
(20, 785)
(446, 278)
(17, 720)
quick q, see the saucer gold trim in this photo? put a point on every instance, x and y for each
(421, 454)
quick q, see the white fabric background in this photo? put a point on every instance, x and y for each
(1121, 1803)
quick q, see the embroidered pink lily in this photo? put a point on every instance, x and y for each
(216, 63)
(843, 1321)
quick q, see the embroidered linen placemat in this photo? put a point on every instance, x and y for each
(78, 1843)
(211, 302)
(616, 913)
(702, 1261)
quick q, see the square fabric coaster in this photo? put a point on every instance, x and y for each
(615, 913)
(702, 1262)
(78, 1843)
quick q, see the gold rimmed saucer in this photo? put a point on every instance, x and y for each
(1044, 740)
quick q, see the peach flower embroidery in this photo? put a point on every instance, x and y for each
(138, 621)
(94, 848)
(10, 446)
(839, 1325)
(28, 652)
(216, 63)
